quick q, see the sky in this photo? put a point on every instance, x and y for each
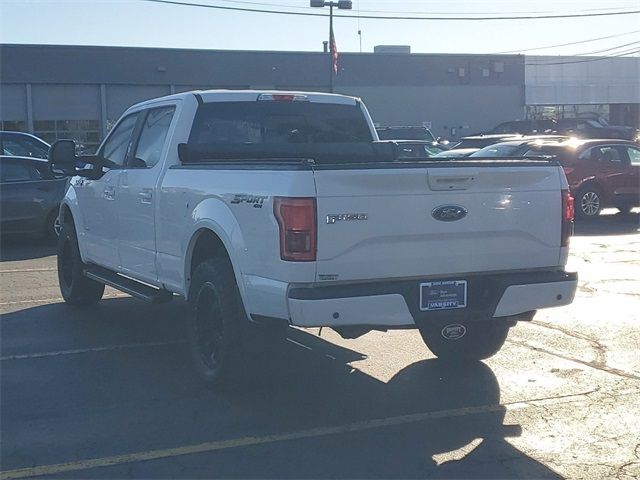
(145, 23)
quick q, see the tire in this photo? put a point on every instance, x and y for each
(465, 341)
(52, 227)
(216, 324)
(76, 289)
(588, 202)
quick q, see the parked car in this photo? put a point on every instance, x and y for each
(601, 173)
(305, 219)
(591, 128)
(516, 148)
(456, 153)
(525, 127)
(410, 133)
(29, 197)
(20, 144)
(481, 141)
(416, 149)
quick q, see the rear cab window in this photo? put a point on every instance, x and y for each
(273, 129)
(243, 123)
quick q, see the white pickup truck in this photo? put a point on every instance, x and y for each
(269, 209)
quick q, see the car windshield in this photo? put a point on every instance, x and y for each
(408, 133)
(497, 150)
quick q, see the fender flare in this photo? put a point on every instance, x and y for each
(70, 203)
(214, 215)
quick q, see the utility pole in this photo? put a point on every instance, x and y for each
(342, 5)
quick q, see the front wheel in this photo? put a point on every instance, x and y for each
(588, 202)
(465, 341)
(76, 289)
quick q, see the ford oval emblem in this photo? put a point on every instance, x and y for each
(449, 213)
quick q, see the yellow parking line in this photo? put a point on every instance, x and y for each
(53, 299)
(77, 351)
(280, 437)
(24, 270)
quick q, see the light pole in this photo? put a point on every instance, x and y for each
(342, 5)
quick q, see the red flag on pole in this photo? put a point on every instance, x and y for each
(334, 53)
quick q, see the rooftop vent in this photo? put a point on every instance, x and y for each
(405, 49)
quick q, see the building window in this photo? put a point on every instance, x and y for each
(12, 125)
(85, 132)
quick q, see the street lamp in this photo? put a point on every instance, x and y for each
(342, 5)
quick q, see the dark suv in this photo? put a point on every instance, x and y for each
(601, 173)
(526, 127)
(589, 128)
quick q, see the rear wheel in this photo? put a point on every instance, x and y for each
(76, 289)
(588, 202)
(465, 341)
(216, 323)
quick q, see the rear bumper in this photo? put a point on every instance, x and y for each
(396, 303)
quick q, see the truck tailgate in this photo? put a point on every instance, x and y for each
(376, 223)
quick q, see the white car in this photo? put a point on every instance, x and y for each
(282, 209)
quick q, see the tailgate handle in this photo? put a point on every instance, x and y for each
(450, 182)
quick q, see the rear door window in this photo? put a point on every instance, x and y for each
(634, 156)
(152, 137)
(12, 172)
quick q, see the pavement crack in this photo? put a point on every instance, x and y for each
(599, 349)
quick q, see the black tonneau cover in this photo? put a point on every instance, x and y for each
(335, 155)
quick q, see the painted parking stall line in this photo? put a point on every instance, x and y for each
(279, 437)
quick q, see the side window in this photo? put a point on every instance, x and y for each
(11, 172)
(610, 154)
(117, 145)
(152, 137)
(634, 156)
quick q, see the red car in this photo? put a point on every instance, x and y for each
(601, 173)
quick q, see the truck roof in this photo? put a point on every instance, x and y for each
(220, 95)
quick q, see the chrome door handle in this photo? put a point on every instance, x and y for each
(145, 196)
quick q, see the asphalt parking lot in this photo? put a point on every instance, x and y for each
(108, 392)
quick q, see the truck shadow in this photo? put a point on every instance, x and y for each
(91, 404)
(609, 224)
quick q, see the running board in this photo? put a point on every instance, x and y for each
(127, 285)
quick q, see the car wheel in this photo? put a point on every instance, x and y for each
(588, 202)
(53, 227)
(76, 289)
(465, 341)
(216, 323)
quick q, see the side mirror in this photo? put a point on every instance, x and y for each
(64, 162)
(62, 158)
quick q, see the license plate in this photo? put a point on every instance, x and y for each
(443, 295)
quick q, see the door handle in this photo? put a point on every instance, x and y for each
(110, 193)
(145, 196)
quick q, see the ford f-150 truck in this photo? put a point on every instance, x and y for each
(268, 209)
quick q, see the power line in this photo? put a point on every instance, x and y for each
(636, 43)
(381, 17)
(297, 7)
(598, 59)
(568, 44)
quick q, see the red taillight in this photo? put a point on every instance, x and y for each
(567, 217)
(568, 170)
(297, 221)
